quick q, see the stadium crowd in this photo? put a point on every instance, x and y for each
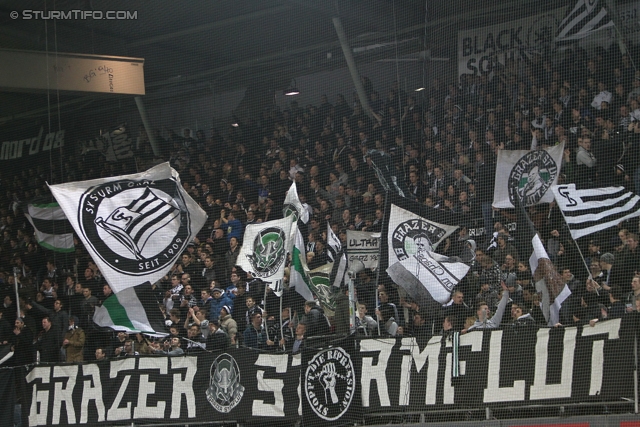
(443, 141)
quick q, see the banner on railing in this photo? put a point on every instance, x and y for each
(336, 384)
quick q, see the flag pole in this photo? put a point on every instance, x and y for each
(15, 285)
(280, 316)
(266, 326)
(384, 219)
(582, 257)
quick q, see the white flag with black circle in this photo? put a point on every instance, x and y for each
(264, 251)
(135, 227)
(412, 262)
(527, 175)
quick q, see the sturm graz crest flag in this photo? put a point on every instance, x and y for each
(135, 227)
(527, 175)
(264, 251)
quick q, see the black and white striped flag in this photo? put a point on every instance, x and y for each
(335, 252)
(334, 245)
(586, 17)
(591, 210)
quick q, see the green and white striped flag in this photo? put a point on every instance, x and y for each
(52, 229)
(299, 272)
(131, 310)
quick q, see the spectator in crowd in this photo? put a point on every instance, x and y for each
(48, 342)
(484, 320)
(170, 347)
(520, 317)
(255, 336)
(487, 296)
(128, 349)
(196, 342)
(388, 324)
(219, 300)
(22, 344)
(228, 324)
(626, 263)
(59, 318)
(634, 295)
(297, 344)
(365, 324)
(101, 354)
(457, 311)
(73, 342)
(197, 316)
(315, 319)
(218, 340)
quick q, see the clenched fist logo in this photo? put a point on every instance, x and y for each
(328, 378)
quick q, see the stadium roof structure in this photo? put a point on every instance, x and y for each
(225, 44)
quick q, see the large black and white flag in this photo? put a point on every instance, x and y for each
(412, 262)
(594, 209)
(586, 17)
(135, 227)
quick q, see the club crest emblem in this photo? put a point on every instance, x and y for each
(225, 391)
(531, 177)
(269, 252)
(290, 209)
(136, 227)
(329, 383)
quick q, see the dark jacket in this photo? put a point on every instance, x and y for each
(255, 338)
(24, 350)
(217, 341)
(317, 323)
(48, 345)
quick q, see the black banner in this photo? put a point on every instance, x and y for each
(500, 367)
(337, 384)
(239, 384)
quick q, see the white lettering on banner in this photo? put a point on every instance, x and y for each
(493, 392)
(146, 388)
(65, 383)
(275, 386)
(91, 392)
(363, 246)
(296, 360)
(473, 339)
(115, 413)
(480, 50)
(610, 329)
(39, 398)
(430, 352)
(10, 150)
(183, 386)
(377, 372)
(540, 389)
(64, 394)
